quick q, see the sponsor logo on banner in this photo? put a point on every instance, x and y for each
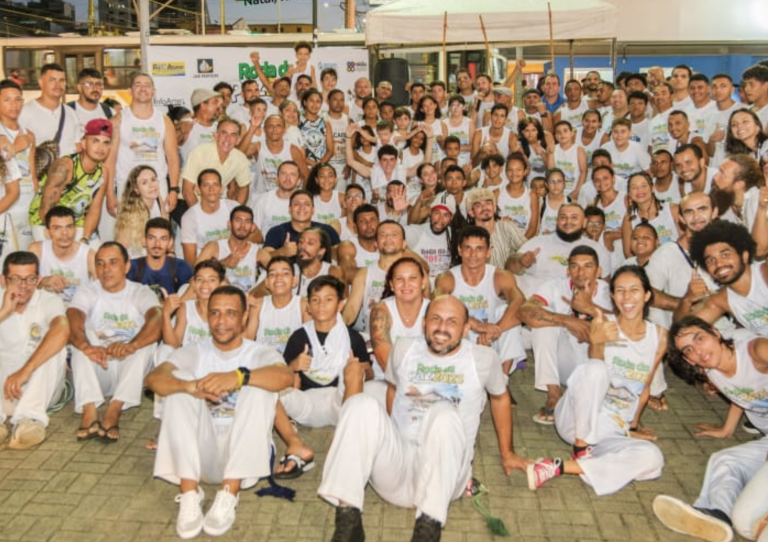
(205, 69)
(353, 66)
(169, 69)
(329, 65)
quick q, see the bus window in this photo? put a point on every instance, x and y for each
(119, 64)
(28, 63)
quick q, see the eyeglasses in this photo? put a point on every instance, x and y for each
(354, 196)
(89, 84)
(595, 224)
(15, 280)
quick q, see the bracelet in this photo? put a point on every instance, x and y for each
(240, 378)
(246, 376)
(632, 429)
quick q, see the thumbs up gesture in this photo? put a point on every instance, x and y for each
(697, 288)
(602, 330)
(302, 362)
(529, 258)
(289, 247)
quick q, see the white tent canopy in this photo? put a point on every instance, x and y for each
(421, 21)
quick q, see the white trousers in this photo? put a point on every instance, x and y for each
(122, 380)
(315, 407)
(736, 483)
(367, 447)
(42, 389)
(192, 446)
(556, 353)
(509, 346)
(616, 458)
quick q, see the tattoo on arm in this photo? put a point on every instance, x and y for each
(381, 327)
(534, 314)
(54, 187)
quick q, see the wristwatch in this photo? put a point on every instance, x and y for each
(174, 189)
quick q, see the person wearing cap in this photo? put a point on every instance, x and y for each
(506, 236)
(222, 155)
(503, 95)
(142, 135)
(432, 240)
(534, 108)
(206, 108)
(574, 107)
(76, 182)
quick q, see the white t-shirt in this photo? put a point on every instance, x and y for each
(270, 210)
(698, 117)
(632, 159)
(432, 248)
(659, 128)
(718, 120)
(44, 123)
(22, 333)
(200, 227)
(114, 317)
(84, 116)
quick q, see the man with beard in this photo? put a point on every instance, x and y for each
(206, 109)
(490, 294)
(163, 273)
(506, 237)
(354, 109)
(360, 250)
(241, 111)
(484, 102)
(546, 256)
(659, 126)
(281, 239)
(313, 259)
(339, 122)
(432, 241)
(420, 454)
(574, 107)
(77, 182)
(558, 314)
(591, 84)
(727, 252)
(665, 184)
(691, 168)
(532, 107)
(273, 152)
(88, 106)
(240, 257)
(65, 263)
(740, 199)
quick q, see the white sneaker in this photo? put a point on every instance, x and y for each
(684, 518)
(26, 434)
(190, 520)
(221, 514)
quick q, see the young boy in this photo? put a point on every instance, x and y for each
(318, 353)
(272, 319)
(303, 52)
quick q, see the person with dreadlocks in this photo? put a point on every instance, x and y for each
(734, 495)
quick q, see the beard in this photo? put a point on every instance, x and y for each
(441, 351)
(736, 276)
(724, 200)
(569, 237)
(304, 262)
(437, 232)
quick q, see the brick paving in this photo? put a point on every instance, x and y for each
(65, 491)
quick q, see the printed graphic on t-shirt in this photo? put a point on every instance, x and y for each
(477, 305)
(144, 142)
(224, 410)
(430, 384)
(116, 328)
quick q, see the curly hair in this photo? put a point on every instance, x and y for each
(722, 231)
(132, 214)
(687, 372)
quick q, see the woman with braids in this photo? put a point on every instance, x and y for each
(735, 490)
(644, 206)
(745, 135)
(139, 203)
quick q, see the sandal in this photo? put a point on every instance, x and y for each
(115, 430)
(88, 433)
(545, 416)
(300, 466)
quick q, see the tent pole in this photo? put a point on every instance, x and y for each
(614, 52)
(519, 76)
(570, 55)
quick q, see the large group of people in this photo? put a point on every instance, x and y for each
(267, 263)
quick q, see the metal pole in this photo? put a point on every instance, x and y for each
(614, 53)
(144, 34)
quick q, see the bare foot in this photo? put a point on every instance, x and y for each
(658, 403)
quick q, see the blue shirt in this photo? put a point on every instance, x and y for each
(163, 277)
(552, 107)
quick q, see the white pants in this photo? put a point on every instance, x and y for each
(736, 483)
(122, 380)
(509, 346)
(192, 446)
(556, 353)
(367, 447)
(315, 407)
(42, 389)
(616, 458)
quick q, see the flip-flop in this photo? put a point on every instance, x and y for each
(90, 434)
(300, 466)
(111, 440)
(545, 416)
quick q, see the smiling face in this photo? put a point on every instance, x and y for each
(700, 348)
(678, 126)
(408, 282)
(280, 278)
(301, 208)
(744, 128)
(724, 264)
(474, 252)
(445, 324)
(687, 166)
(324, 304)
(643, 242)
(226, 320)
(390, 239)
(603, 181)
(629, 295)
(206, 281)
(640, 190)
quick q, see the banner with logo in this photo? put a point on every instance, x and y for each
(177, 71)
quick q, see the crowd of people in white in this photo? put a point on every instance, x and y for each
(309, 260)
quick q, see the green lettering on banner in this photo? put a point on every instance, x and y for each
(248, 71)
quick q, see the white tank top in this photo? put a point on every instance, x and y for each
(374, 286)
(141, 142)
(568, 161)
(409, 160)
(593, 145)
(74, 270)
(629, 364)
(548, 221)
(269, 162)
(246, 274)
(462, 132)
(752, 311)
(339, 131)
(614, 211)
(399, 329)
(573, 116)
(502, 144)
(518, 209)
(484, 106)
(277, 325)
(664, 224)
(434, 250)
(481, 300)
(345, 234)
(671, 194)
(327, 211)
(301, 287)
(536, 165)
(748, 388)
(513, 119)
(198, 135)
(197, 329)
(355, 112)
(363, 257)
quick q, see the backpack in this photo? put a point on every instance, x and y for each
(104, 107)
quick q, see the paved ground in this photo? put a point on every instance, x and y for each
(82, 492)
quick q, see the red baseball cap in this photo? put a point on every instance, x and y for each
(98, 127)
